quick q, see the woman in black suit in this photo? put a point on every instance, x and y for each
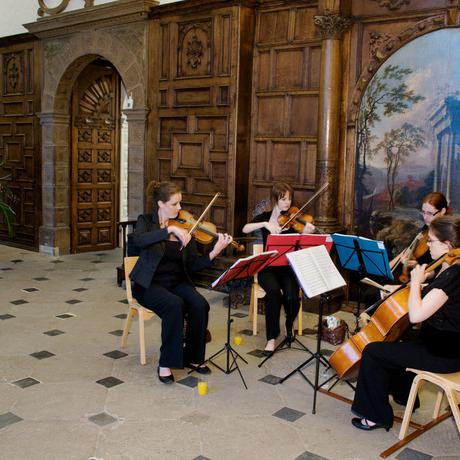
(162, 283)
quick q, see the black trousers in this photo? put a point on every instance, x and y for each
(281, 287)
(382, 373)
(172, 304)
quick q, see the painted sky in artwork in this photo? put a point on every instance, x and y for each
(435, 64)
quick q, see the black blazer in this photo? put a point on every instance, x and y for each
(149, 238)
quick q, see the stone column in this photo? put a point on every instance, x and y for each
(54, 234)
(331, 26)
(137, 122)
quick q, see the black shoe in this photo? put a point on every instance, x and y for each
(290, 337)
(167, 379)
(361, 423)
(200, 369)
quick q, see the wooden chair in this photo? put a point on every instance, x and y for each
(143, 314)
(257, 293)
(126, 227)
(449, 384)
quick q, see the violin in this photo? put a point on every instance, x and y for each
(417, 248)
(204, 232)
(297, 223)
(387, 324)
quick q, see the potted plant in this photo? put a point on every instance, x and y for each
(5, 209)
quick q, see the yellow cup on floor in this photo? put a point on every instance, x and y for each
(237, 340)
(202, 388)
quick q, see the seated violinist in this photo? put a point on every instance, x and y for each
(279, 283)
(437, 307)
(161, 281)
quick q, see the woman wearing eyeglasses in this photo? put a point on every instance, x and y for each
(437, 307)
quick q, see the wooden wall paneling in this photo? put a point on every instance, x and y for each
(285, 100)
(20, 147)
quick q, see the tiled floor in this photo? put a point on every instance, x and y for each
(67, 391)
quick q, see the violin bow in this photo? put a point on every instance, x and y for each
(197, 222)
(321, 190)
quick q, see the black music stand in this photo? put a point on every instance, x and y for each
(362, 255)
(317, 275)
(285, 244)
(242, 268)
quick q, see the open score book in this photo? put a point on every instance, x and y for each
(315, 271)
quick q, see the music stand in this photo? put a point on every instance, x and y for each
(242, 268)
(317, 276)
(363, 255)
(285, 244)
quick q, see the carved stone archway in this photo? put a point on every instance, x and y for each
(64, 59)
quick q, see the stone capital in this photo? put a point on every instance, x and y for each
(331, 25)
(54, 118)
(136, 114)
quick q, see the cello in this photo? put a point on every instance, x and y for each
(387, 324)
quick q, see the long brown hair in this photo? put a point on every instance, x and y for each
(160, 191)
(438, 201)
(280, 189)
(447, 229)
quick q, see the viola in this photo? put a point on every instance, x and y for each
(387, 324)
(204, 232)
(419, 248)
(292, 218)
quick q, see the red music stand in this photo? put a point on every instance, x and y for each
(242, 268)
(284, 244)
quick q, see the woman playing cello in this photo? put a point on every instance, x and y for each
(279, 283)
(162, 283)
(437, 307)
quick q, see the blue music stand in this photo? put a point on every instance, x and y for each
(362, 255)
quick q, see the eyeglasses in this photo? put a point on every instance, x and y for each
(429, 213)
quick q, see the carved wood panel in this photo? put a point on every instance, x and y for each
(196, 138)
(285, 101)
(20, 138)
(95, 139)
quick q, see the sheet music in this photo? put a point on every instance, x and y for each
(315, 270)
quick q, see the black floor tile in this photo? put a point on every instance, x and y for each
(271, 379)
(8, 419)
(96, 261)
(42, 354)
(117, 332)
(17, 261)
(25, 383)
(412, 454)
(239, 315)
(245, 332)
(79, 289)
(6, 269)
(110, 382)
(121, 316)
(288, 414)
(102, 419)
(86, 279)
(101, 254)
(7, 316)
(32, 289)
(54, 332)
(57, 261)
(73, 301)
(189, 381)
(19, 302)
(310, 456)
(125, 301)
(41, 278)
(200, 457)
(65, 316)
(116, 354)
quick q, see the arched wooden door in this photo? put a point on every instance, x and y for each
(95, 158)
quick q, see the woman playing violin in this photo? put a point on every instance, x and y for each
(279, 283)
(161, 277)
(437, 307)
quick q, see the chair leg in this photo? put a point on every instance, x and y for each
(142, 337)
(126, 329)
(253, 308)
(299, 320)
(437, 404)
(409, 407)
(453, 402)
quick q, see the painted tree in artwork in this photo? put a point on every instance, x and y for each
(387, 94)
(396, 146)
